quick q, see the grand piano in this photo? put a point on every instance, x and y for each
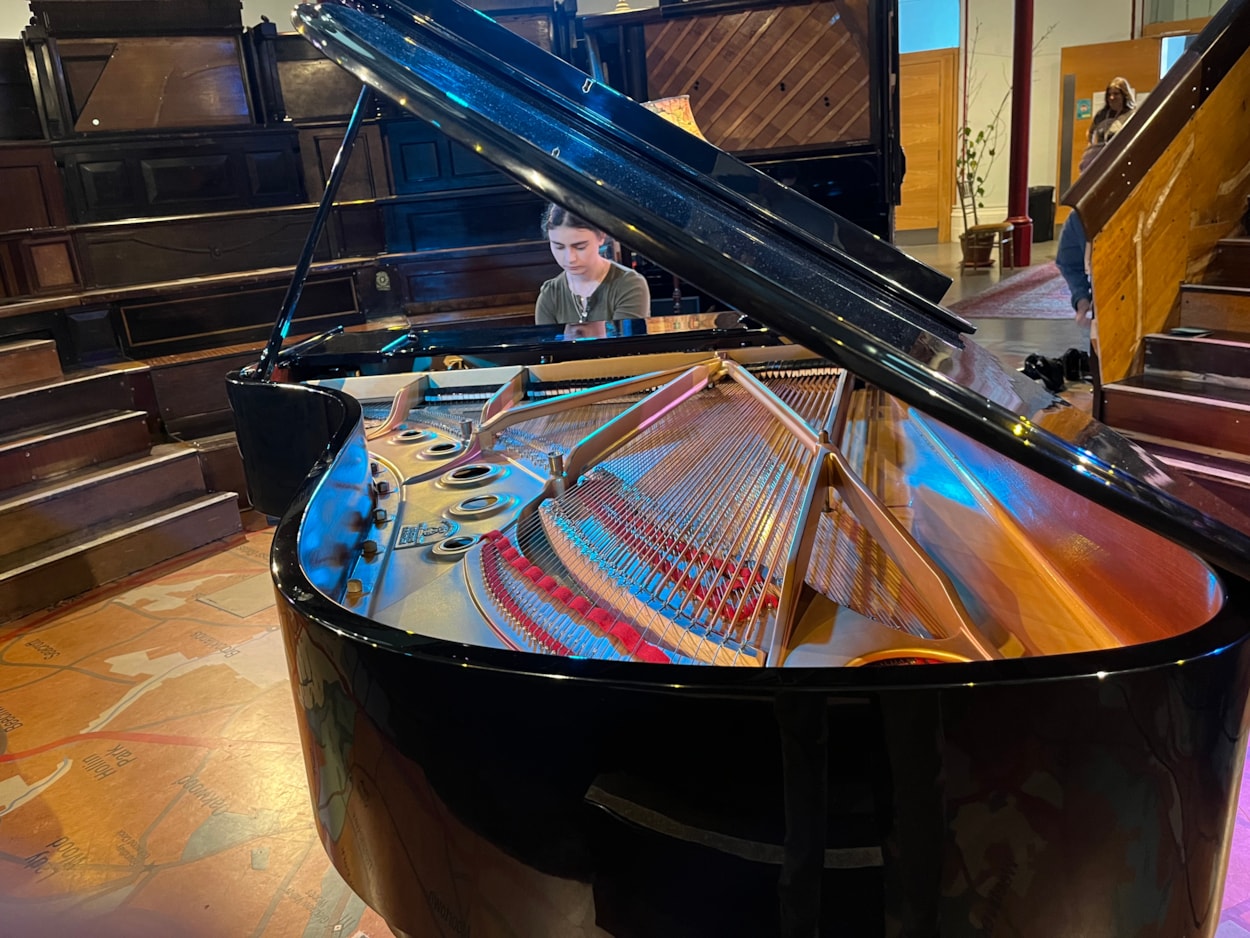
(811, 620)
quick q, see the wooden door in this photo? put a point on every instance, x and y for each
(927, 92)
(1083, 75)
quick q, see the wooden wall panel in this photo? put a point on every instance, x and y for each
(160, 251)
(31, 187)
(928, 87)
(167, 325)
(52, 265)
(1165, 232)
(1175, 27)
(477, 279)
(366, 176)
(1089, 68)
(137, 178)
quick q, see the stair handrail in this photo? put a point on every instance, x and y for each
(1099, 191)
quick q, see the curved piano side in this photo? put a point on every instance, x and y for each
(472, 790)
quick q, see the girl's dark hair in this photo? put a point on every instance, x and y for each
(557, 216)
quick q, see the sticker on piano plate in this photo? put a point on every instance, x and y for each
(425, 533)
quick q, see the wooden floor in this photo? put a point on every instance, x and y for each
(151, 777)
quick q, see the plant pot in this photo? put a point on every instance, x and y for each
(978, 250)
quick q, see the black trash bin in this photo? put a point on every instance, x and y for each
(1042, 211)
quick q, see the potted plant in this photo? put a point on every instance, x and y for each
(976, 149)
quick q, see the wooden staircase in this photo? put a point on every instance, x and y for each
(85, 497)
(1190, 403)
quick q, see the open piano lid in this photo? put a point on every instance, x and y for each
(757, 246)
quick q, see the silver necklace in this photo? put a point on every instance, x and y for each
(583, 306)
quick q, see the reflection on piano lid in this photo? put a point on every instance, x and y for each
(845, 631)
(736, 233)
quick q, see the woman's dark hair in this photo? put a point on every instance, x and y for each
(557, 216)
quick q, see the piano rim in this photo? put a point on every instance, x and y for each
(293, 587)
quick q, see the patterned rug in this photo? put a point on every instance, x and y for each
(1033, 293)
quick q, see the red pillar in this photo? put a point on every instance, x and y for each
(1021, 86)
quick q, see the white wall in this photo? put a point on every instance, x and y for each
(1076, 22)
(14, 15)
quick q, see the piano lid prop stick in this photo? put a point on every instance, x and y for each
(269, 356)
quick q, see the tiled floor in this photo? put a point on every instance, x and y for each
(151, 779)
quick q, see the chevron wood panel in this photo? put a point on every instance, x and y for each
(772, 77)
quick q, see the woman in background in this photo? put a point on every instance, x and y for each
(593, 289)
(1117, 109)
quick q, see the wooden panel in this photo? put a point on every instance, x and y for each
(191, 395)
(92, 18)
(19, 115)
(442, 281)
(423, 159)
(366, 176)
(317, 87)
(156, 83)
(32, 189)
(34, 263)
(928, 85)
(196, 247)
(498, 217)
(1223, 310)
(163, 326)
(97, 497)
(28, 362)
(765, 78)
(1090, 69)
(50, 451)
(200, 178)
(106, 188)
(1175, 28)
(52, 265)
(138, 177)
(1165, 232)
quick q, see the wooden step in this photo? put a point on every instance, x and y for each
(66, 398)
(222, 464)
(28, 362)
(48, 511)
(1210, 306)
(1218, 358)
(62, 569)
(1226, 475)
(191, 393)
(50, 449)
(1185, 410)
(1230, 265)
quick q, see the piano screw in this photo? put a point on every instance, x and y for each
(555, 463)
(369, 548)
(466, 429)
(384, 487)
(379, 516)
